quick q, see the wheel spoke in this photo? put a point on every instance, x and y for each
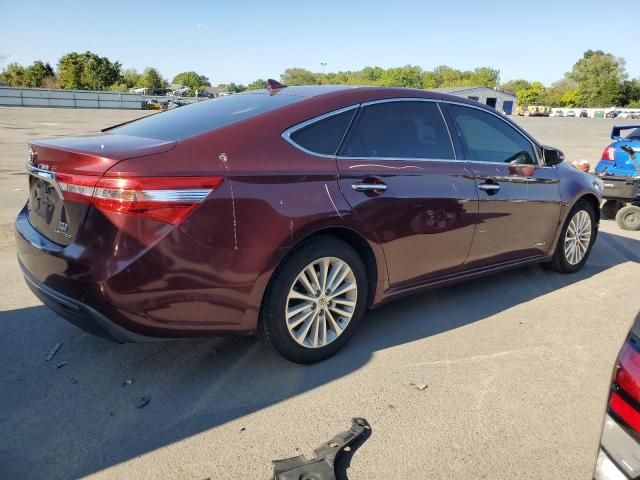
(344, 301)
(316, 329)
(301, 318)
(338, 280)
(324, 272)
(336, 328)
(301, 296)
(339, 311)
(343, 289)
(297, 309)
(314, 276)
(305, 282)
(335, 270)
(304, 330)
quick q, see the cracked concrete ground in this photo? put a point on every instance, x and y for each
(516, 366)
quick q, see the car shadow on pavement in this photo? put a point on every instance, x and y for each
(62, 420)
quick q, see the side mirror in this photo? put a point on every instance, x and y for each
(552, 156)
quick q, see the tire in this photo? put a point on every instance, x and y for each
(563, 261)
(285, 290)
(628, 217)
(609, 209)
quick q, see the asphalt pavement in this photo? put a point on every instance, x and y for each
(501, 377)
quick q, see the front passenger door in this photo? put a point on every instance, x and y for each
(518, 197)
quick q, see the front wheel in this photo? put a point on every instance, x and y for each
(314, 301)
(576, 239)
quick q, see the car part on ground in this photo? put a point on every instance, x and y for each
(323, 465)
(619, 454)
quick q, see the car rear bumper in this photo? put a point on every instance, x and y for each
(81, 315)
(142, 280)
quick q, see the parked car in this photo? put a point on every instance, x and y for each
(629, 115)
(612, 114)
(290, 211)
(616, 161)
(558, 113)
(619, 453)
(584, 114)
(570, 113)
(181, 91)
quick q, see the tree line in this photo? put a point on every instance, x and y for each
(597, 79)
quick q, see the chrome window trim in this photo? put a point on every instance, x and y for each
(286, 135)
(537, 148)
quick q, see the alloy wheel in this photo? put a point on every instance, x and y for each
(578, 237)
(321, 302)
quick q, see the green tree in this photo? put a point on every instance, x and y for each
(119, 87)
(514, 86)
(13, 74)
(484, 77)
(631, 92)
(236, 88)
(192, 80)
(563, 93)
(408, 76)
(599, 76)
(300, 76)
(131, 78)
(35, 74)
(151, 78)
(257, 84)
(87, 71)
(531, 94)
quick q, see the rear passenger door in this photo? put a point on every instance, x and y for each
(519, 198)
(399, 173)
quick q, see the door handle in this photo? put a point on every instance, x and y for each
(369, 187)
(490, 188)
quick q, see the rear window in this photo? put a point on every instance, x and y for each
(635, 134)
(324, 136)
(204, 116)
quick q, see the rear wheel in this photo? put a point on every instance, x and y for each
(315, 301)
(628, 217)
(576, 239)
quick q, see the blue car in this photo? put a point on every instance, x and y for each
(615, 161)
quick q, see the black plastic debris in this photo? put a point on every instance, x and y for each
(324, 465)
(142, 402)
(53, 352)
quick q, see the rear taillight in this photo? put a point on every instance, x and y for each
(165, 199)
(624, 401)
(609, 154)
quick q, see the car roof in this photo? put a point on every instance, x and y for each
(363, 93)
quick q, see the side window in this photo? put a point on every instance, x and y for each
(324, 136)
(402, 129)
(485, 138)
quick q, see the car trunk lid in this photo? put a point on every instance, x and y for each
(53, 209)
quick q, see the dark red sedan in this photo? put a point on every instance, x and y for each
(290, 211)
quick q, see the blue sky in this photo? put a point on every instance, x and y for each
(241, 41)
